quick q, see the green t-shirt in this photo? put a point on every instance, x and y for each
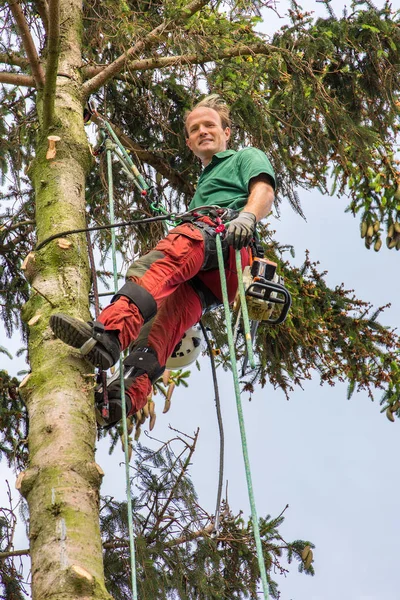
(225, 180)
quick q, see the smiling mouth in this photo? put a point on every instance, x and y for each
(204, 141)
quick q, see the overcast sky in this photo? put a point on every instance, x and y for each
(333, 461)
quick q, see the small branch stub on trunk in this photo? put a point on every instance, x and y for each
(51, 150)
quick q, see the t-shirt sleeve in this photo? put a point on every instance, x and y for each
(254, 162)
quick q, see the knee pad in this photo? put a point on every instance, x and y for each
(140, 297)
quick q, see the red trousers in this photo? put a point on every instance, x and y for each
(164, 273)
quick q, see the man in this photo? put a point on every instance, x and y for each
(171, 286)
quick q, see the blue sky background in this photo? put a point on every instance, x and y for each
(333, 461)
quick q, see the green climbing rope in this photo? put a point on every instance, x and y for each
(228, 318)
(245, 314)
(109, 149)
(134, 169)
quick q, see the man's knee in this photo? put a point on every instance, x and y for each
(140, 297)
(140, 266)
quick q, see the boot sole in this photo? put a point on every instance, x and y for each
(75, 333)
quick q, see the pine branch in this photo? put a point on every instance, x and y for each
(149, 40)
(191, 535)
(159, 62)
(160, 165)
(116, 544)
(17, 79)
(187, 537)
(174, 487)
(11, 245)
(15, 225)
(37, 71)
(52, 63)
(14, 553)
(9, 58)
(43, 11)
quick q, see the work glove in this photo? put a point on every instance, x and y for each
(241, 230)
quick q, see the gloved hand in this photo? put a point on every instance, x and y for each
(240, 230)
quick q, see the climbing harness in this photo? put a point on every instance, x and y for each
(176, 219)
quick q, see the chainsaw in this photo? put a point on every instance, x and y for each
(266, 296)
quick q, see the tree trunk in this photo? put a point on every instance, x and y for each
(62, 482)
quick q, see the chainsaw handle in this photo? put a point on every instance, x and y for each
(278, 288)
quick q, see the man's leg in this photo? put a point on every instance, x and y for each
(177, 313)
(176, 259)
(155, 344)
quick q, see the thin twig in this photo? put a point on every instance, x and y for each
(177, 482)
(4, 555)
(43, 296)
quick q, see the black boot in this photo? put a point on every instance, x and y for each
(109, 413)
(139, 362)
(100, 347)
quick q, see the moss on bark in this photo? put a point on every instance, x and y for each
(62, 482)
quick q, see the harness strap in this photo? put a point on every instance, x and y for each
(209, 301)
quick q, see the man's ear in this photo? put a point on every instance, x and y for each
(188, 144)
(227, 133)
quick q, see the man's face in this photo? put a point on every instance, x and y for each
(206, 136)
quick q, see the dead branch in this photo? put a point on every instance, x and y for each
(17, 79)
(159, 62)
(30, 49)
(15, 225)
(191, 535)
(149, 40)
(14, 242)
(52, 63)
(13, 59)
(187, 537)
(11, 553)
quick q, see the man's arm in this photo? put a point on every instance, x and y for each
(261, 197)
(259, 204)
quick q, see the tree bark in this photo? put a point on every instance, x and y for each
(62, 482)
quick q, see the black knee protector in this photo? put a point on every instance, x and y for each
(140, 297)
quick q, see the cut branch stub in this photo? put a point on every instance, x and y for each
(29, 267)
(51, 150)
(64, 244)
(34, 320)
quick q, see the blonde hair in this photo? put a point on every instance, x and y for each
(215, 102)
